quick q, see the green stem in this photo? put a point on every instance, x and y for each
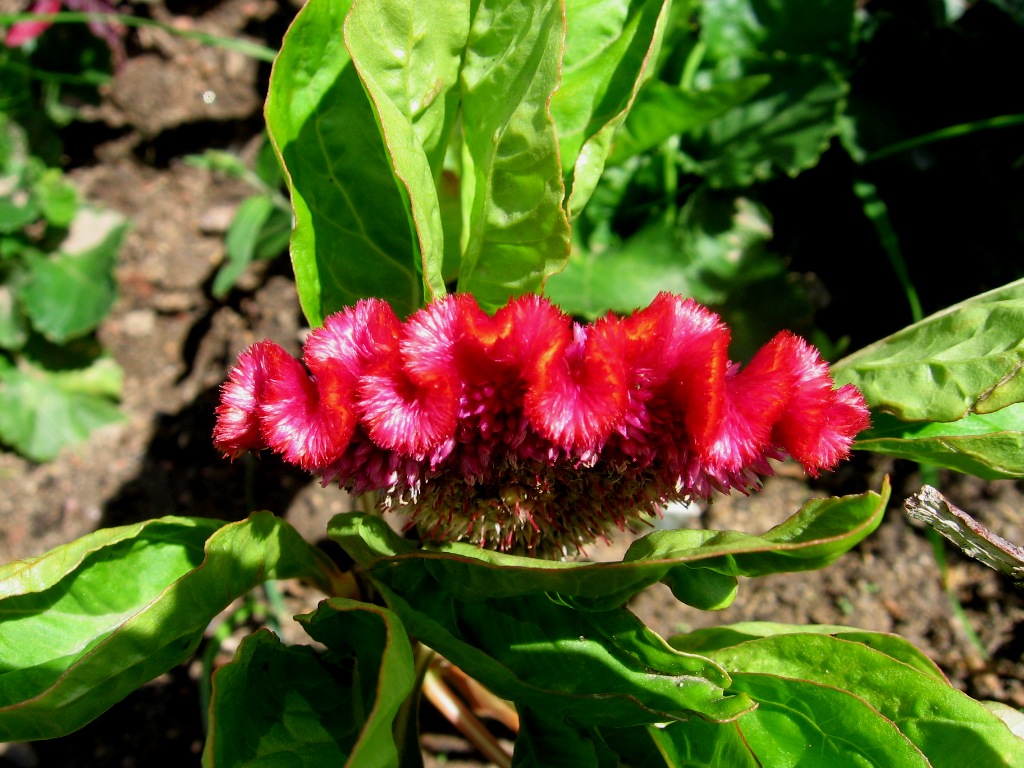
(950, 132)
(256, 51)
(878, 214)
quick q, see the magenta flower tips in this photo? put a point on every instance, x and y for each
(527, 432)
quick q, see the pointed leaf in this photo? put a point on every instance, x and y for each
(945, 724)
(85, 624)
(353, 234)
(516, 229)
(987, 445)
(700, 566)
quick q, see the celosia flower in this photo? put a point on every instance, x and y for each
(528, 432)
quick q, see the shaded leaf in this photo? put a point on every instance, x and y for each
(662, 111)
(317, 708)
(590, 669)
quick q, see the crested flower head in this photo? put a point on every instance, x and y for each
(527, 432)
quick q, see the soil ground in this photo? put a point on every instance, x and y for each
(176, 343)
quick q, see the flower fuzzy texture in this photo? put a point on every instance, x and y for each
(527, 432)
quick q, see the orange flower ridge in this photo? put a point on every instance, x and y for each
(527, 432)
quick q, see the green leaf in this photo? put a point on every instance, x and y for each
(13, 324)
(243, 239)
(700, 744)
(516, 230)
(795, 679)
(85, 624)
(69, 294)
(986, 445)
(965, 359)
(700, 566)
(374, 642)
(715, 253)
(408, 56)
(752, 28)
(44, 410)
(710, 639)
(353, 234)
(662, 111)
(318, 708)
(58, 199)
(608, 46)
(784, 127)
(799, 723)
(584, 668)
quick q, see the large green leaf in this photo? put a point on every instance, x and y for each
(516, 230)
(701, 567)
(85, 624)
(587, 668)
(700, 744)
(353, 233)
(408, 56)
(67, 295)
(329, 708)
(710, 639)
(43, 410)
(965, 359)
(608, 45)
(803, 683)
(798, 723)
(988, 445)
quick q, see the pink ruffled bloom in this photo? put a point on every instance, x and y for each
(530, 433)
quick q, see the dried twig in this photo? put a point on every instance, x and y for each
(975, 540)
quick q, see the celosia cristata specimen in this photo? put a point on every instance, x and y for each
(528, 432)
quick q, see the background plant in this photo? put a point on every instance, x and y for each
(592, 685)
(57, 257)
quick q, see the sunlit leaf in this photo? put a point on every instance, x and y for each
(965, 359)
(353, 234)
(43, 410)
(987, 445)
(945, 724)
(516, 230)
(85, 624)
